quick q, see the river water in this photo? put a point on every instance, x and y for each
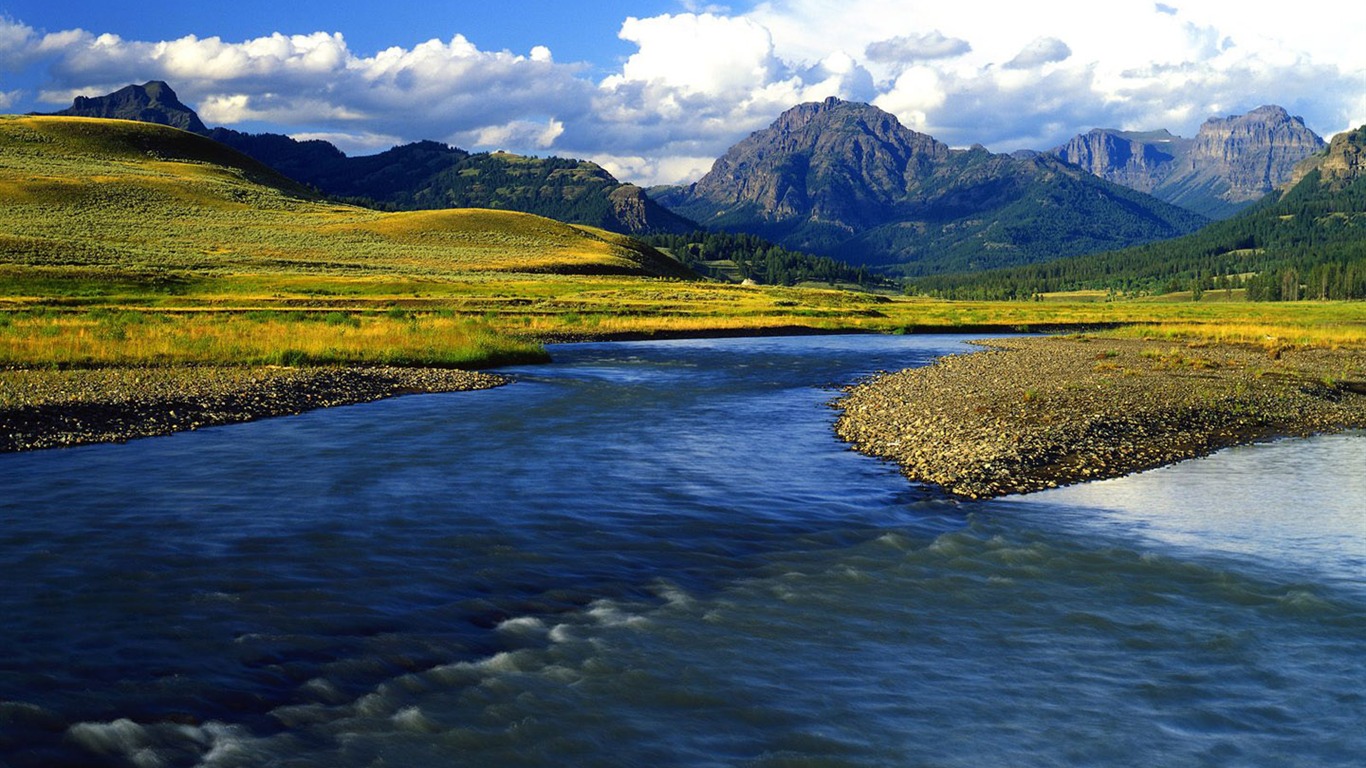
(658, 554)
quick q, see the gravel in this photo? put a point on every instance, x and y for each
(1036, 413)
(48, 409)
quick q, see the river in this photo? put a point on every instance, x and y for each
(658, 554)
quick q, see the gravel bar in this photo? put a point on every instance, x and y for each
(49, 409)
(1039, 412)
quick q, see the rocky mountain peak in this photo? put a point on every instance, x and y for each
(834, 161)
(1232, 161)
(1341, 164)
(1255, 152)
(151, 102)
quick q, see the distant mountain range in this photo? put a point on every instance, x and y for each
(1231, 163)
(834, 178)
(424, 175)
(1309, 242)
(848, 180)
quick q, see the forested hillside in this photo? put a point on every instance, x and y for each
(749, 257)
(1309, 243)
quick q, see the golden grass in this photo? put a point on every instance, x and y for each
(1329, 335)
(78, 192)
(122, 243)
(128, 338)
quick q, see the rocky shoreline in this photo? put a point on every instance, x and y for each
(1036, 413)
(49, 409)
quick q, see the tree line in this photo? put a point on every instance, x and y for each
(1309, 244)
(759, 260)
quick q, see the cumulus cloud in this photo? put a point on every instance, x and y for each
(697, 54)
(18, 44)
(315, 82)
(650, 170)
(352, 143)
(1043, 50)
(916, 47)
(697, 83)
(518, 133)
(701, 80)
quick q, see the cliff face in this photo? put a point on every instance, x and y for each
(1343, 163)
(1136, 160)
(1253, 154)
(1232, 161)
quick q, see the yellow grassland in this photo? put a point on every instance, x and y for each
(124, 243)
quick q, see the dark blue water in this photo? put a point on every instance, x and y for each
(658, 554)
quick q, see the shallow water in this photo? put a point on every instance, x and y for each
(657, 553)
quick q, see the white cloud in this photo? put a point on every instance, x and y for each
(905, 49)
(1043, 50)
(230, 109)
(518, 133)
(697, 54)
(916, 93)
(700, 81)
(648, 171)
(18, 45)
(353, 143)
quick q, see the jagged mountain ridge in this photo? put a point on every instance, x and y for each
(848, 180)
(419, 176)
(1308, 241)
(1231, 163)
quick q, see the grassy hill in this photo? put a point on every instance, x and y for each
(127, 243)
(109, 193)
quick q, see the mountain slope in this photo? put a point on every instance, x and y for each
(848, 180)
(1231, 163)
(1309, 242)
(152, 102)
(421, 176)
(119, 195)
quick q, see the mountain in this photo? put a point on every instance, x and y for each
(1307, 242)
(1232, 162)
(1136, 159)
(152, 102)
(422, 176)
(1341, 166)
(848, 180)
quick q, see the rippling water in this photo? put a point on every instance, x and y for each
(658, 554)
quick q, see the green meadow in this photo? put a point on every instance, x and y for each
(132, 244)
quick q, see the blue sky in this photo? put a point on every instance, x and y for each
(574, 29)
(655, 90)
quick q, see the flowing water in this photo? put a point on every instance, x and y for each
(658, 554)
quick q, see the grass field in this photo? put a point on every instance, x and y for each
(128, 244)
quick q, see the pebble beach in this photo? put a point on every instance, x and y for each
(1029, 414)
(51, 409)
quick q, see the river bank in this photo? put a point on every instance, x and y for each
(48, 409)
(1036, 413)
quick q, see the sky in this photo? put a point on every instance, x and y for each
(656, 90)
